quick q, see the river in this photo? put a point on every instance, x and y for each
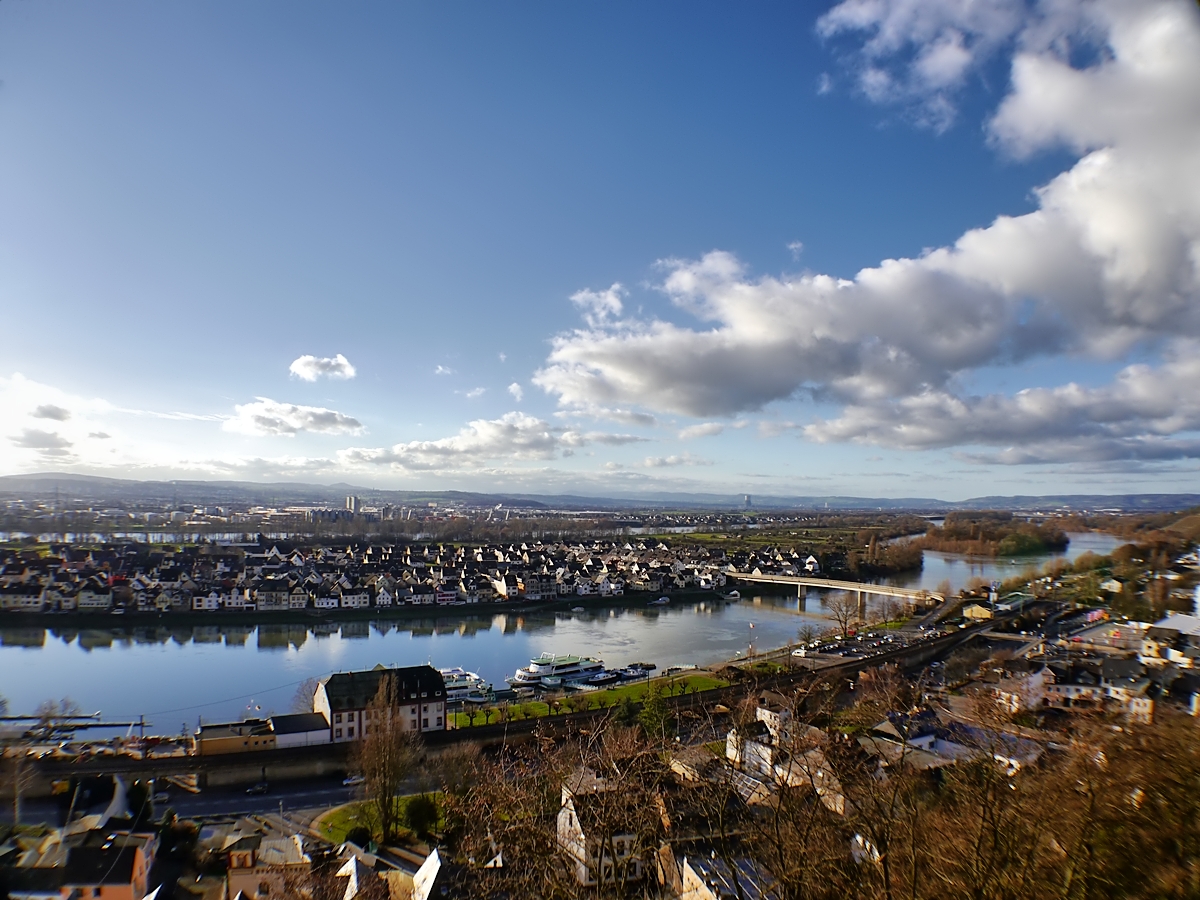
(176, 675)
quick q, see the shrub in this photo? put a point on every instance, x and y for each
(421, 814)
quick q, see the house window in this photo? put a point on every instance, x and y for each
(424, 723)
(349, 732)
(338, 733)
(337, 717)
(439, 721)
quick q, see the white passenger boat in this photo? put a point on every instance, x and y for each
(549, 670)
(603, 678)
(465, 687)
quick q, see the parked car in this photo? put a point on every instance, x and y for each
(351, 780)
(261, 788)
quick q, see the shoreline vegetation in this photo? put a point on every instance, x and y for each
(992, 534)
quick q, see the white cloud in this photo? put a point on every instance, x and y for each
(50, 411)
(1139, 416)
(503, 356)
(593, 411)
(680, 459)
(310, 368)
(44, 423)
(598, 307)
(475, 392)
(269, 417)
(920, 52)
(518, 393)
(514, 436)
(49, 443)
(582, 438)
(703, 429)
(443, 370)
(1108, 264)
(796, 248)
(768, 428)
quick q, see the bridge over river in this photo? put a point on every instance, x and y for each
(859, 589)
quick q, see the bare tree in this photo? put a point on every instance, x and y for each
(844, 610)
(55, 715)
(453, 769)
(385, 756)
(302, 701)
(890, 610)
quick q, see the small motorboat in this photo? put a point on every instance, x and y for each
(604, 678)
(661, 601)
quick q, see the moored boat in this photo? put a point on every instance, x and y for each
(564, 668)
(603, 678)
(465, 687)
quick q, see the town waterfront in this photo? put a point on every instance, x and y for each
(175, 673)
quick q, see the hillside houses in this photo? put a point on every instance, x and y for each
(221, 579)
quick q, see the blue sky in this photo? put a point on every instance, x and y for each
(604, 248)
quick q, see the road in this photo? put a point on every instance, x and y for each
(300, 799)
(318, 793)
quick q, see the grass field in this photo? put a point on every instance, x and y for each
(765, 667)
(339, 822)
(604, 699)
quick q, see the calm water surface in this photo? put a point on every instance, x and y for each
(174, 676)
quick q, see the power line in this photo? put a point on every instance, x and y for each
(248, 694)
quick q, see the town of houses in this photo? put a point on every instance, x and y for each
(240, 578)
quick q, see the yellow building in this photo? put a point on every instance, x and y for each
(234, 737)
(977, 611)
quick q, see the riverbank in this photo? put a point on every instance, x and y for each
(178, 668)
(252, 618)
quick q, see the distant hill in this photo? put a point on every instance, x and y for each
(46, 485)
(283, 493)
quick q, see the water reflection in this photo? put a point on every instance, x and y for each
(959, 570)
(170, 670)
